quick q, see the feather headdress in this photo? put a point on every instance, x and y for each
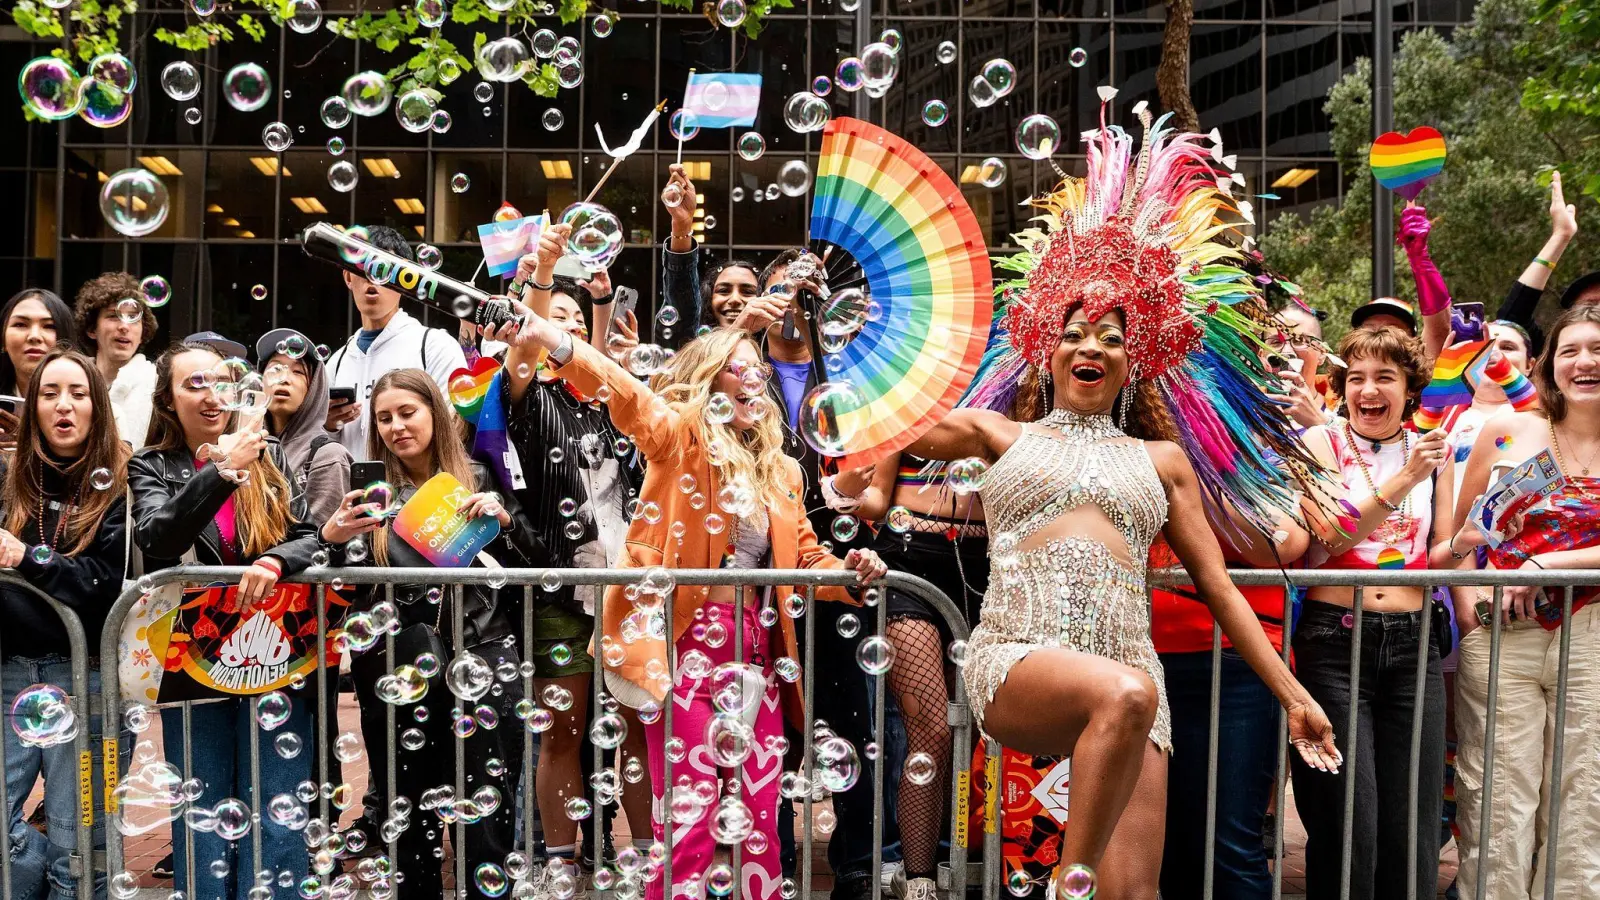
(1140, 233)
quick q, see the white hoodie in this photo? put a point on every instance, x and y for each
(133, 399)
(404, 343)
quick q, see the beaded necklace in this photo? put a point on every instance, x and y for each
(54, 540)
(1404, 509)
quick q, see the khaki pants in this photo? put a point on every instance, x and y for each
(1524, 737)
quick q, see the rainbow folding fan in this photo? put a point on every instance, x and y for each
(926, 267)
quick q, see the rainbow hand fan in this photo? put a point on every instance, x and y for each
(926, 266)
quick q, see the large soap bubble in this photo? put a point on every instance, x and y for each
(134, 202)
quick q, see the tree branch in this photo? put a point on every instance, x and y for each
(1172, 74)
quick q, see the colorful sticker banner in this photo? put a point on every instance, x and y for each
(1405, 163)
(208, 649)
(722, 99)
(1519, 490)
(505, 242)
(430, 523)
(468, 387)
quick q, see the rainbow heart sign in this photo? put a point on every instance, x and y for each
(1405, 163)
(468, 387)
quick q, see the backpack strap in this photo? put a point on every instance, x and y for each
(424, 349)
(317, 443)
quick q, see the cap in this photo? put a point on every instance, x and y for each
(217, 342)
(1587, 282)
(268, 344)
(1386, 306)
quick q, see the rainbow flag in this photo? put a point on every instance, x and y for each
(1449, 386)
(491, 445)
(1405, 163)
(506, 242)
(722, 99)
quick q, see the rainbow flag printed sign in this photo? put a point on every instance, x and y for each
(430, 523)
(1405, 163)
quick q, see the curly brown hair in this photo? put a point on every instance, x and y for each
(1389, 344)
(107, 291)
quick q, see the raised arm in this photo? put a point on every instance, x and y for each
(1189, 535)
(680, 259)
(1524, 297)
(1433, 298)
(967, 432)
(536, 268)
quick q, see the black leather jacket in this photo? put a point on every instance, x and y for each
(487, 614)
(174, 506)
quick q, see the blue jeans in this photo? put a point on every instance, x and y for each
(40, 865)
(220, 758)
(1247, 740)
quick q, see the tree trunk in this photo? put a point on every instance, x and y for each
(1172, 75)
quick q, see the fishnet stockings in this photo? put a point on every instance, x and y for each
(917, 679)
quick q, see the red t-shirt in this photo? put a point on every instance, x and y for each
(1183, 624)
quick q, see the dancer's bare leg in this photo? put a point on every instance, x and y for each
(1059, 702)
(1131, 867)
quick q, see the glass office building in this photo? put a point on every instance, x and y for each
(1260, 73)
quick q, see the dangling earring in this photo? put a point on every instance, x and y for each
(1046, 392)
(1126, 403)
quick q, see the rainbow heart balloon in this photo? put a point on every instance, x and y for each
(1405, 163)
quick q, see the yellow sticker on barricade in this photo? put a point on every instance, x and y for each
(86, 787)
(963, 807)
(991, 794)
(109, 763)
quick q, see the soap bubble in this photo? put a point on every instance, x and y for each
(946, 54)
(134, 202)
(405, 686)
(367, 93)
(849, 75)
(114, 70)
(491, 879)
(272, 710)
(879, 65)
(288, 744)
(51, 88)
(552, 119)
(276, 137)
(148, 798)
(342, 176)
(429, 256)
(503, 59)
(104, 105)
(459, 183)
(347, 747)
(42, 716)
(304, 15)
(414, 109)
(1001, 75)
(992, 172)
(875, 655)
(731, 13)
(1038, 136)
(966, 475)
(544, 43)
(805, 112)
(336, 114)
(981, 92)
(608, 731)
(848, 625)
(837, 765)
(1078, 57)
(483, 92)
(684, 125)
(827, 416)
(1076, 882)
(157, 292)
(430, 13)
(752, 145)
(821, 85)
(596, 234)
(192, 116)
(794, 178)
(935, 113)
(180, 80)
(247, 87)
(844, 528)
(567, 50)
(469, 676)
(232, 818)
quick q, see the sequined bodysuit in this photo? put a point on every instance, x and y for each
(1070, 591)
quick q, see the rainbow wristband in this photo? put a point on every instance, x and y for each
(1539, 260)
(1518, 389)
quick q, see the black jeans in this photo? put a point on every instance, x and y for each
(434, 764)
(1247, 745)
(1386, 707)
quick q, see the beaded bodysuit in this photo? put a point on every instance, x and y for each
(1070, 591)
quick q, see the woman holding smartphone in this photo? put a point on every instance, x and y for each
(1562, 532)
(414, 433)
(210, 481)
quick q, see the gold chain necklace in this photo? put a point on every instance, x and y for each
(1561, 463)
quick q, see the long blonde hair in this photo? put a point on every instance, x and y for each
(446, 452)
(260, 505)
(754, 457)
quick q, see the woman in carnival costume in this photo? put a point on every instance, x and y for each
(1137, 396)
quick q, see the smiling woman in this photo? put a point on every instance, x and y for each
(35, 320)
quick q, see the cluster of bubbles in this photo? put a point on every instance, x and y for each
(52, 90)
(596, 237)
(42, 716)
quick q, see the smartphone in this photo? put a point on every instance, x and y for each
(1467, 322)
(791, 331)
(11, 404)
(624, 300)
(365, 473)
(342, 395)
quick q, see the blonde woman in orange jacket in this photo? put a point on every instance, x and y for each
(718, 493)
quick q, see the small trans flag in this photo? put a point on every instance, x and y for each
(506, 242)
(722, 99)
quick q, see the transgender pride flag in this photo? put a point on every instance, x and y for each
(506, 242)
(722, 99)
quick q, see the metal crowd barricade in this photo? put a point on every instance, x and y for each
(82, 860)
(959, 711)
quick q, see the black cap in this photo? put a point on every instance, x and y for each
(1585, 282)
(1388, 306)
(224, 347)
(268, 344)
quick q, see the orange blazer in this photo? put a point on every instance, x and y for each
(673, 446)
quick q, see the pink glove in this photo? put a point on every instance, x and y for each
(1432, 295)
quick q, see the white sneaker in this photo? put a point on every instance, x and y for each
(891, 871)
(551, 885)
(915, 889)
